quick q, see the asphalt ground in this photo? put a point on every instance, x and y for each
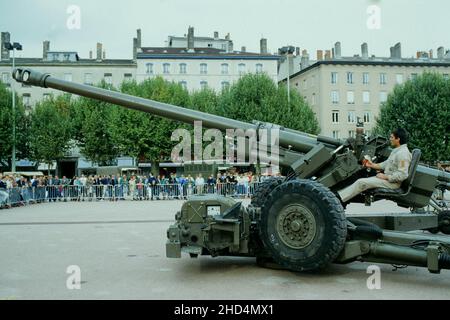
(119, 249)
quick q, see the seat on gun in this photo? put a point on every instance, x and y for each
(406, 185)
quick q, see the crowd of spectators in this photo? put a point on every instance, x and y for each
(20, 190)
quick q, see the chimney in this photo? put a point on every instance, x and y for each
(418, 54)
(297, 51)
(230, 46)
(216, 35)
(290, 61)
(190, 39)
(135, 43)
(364, 51)
(304, 62)
(332, 53)
(227, 37)
(243, 49)
(392, 52)
(99, 51)
(104, 54)
(319, 55)
(327, 54)
(398, 51)
(45, 49)
(139, 38)
(337, 50)
(5, 37)
(440, 53)
(263, 46)
(90, 54)
(430, 54)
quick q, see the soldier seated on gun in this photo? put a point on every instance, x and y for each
(395, 169)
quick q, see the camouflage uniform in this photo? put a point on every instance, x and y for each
(395, 167)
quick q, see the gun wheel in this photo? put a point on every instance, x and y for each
(264, 189)
(303, 225)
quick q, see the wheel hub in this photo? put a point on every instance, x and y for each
(296, 226)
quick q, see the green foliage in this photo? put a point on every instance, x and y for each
(50, 130)
(6, 129)
(92, 122)
(422, 107)
(257, 97)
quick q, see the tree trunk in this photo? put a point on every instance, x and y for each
(155, 167)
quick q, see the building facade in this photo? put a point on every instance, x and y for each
(200, 62)
(343, 89)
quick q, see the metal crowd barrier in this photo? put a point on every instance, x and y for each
(27, 195)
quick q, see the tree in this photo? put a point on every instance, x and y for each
(6, 130)
(92, 130)
(257, 97)
(142, 135)
(50, 129)
(422, 107)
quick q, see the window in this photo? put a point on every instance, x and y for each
(5, 77)
(335, 97)
(349, 77)
(351, 133)
(365, 78)
(413, 76)
(224, 46)
(127, 77)
(183, 84)
(367, 117)
(366, 97)
(383, 78)
(336, 134)
(334, 77)
(166, 68)
(335, 116)
(224, 68)
(108, 78)
(305, 84)
(259, 68)
(26, 99)
(182, 68)
(350, 97)
(88, 78)
(225, 85)
(66, 56)
(68, 77)
(149, 68)
(203, 85)
(399, 78)
(241, 68)
(203, 68)
(313, 99)
(383, 96)
(351, 117)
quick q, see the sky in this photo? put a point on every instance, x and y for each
(311, 25)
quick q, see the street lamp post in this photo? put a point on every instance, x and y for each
(288, 51)
(11, 47)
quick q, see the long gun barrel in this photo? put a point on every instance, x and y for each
(288, 138)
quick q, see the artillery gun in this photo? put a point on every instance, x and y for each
(297, 222)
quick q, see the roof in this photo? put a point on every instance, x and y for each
(80, 62)
(199, 53)
(410, 62)
(199, 38)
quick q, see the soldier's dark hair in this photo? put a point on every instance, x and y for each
(401, 134)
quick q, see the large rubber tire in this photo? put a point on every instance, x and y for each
(264, 189)
(444, 221)
(303, 225)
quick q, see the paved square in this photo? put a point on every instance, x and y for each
(120, 249)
